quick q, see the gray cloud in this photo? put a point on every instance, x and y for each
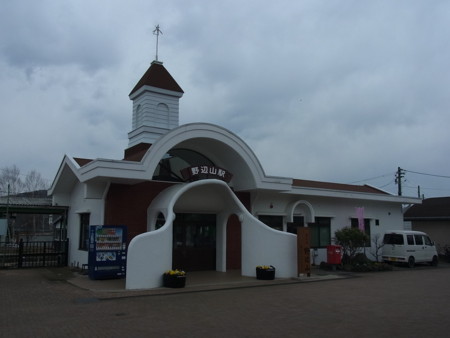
(340, 91)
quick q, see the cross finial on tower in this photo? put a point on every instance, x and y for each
(156, 32)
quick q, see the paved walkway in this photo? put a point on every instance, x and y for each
(196, 282)
(402, 303)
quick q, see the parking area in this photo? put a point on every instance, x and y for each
(402, 303)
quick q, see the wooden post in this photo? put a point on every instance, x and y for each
(303, 251)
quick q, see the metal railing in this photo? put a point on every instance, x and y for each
(33, 254)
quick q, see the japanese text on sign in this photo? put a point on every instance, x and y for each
(202, 172)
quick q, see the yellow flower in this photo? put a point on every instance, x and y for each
(175, 272)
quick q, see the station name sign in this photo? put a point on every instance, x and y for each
(202, 172)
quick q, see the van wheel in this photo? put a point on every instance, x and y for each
(411, 262)
(435, 261)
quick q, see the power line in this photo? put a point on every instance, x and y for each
(401, 173)
(427, 188)
(383, 186)
(372, 178)
(415, 172)
(396, 173)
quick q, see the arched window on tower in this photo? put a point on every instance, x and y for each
(163, 115)
(137, 117)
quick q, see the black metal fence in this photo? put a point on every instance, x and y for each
(33, 254)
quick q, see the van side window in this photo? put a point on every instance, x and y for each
(427, 240)
(410, 239)
(396, 239)
(419, 240)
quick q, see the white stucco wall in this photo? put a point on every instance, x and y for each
(150, 254)
(262, 245)
(340, 210)
(79, 204)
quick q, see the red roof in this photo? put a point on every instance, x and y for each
(157, 76)
(137, 152)
(82, 161)
(336, 186)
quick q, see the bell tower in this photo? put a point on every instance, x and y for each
(155, 105)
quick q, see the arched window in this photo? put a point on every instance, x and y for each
(163, 115)
(137, 116)
(170, 166)
(160, 221)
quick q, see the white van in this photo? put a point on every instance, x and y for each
(408, 247)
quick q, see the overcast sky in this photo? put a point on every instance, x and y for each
(340, 91)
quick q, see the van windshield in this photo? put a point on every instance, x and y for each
(393, 239)
(428, 241)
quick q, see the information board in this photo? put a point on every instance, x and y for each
(303, 251)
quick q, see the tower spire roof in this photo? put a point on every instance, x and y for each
(158, 76)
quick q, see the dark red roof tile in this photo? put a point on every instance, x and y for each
(157, 76)
(137, 152)
(336, 186)
(82, 161)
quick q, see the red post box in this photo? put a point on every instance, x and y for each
(334, 254)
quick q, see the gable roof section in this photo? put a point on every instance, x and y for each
(82, 161)
(67, 175)
(137, 152)
(431, 208)
(336, 186)
(157, 76)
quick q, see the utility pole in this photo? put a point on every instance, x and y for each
(7, 239)
(398, 179)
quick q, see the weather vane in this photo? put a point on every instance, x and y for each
(156, 32)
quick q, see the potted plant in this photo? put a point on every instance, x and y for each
(265, 272)
(174, 279)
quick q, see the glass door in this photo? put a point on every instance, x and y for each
(194, 242)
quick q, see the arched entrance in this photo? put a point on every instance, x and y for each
(194, 242)
(200, 227)
(150, 253)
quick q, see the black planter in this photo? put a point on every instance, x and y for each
(174, 281)
(265, 274)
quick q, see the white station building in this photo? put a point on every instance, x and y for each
(195, 197)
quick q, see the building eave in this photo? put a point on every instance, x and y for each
(429, 218)
(353, 195)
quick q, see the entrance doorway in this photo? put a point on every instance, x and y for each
(194, 242)
(234, 245)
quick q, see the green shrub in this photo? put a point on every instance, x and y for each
(371, 267)
(360, 263)
(351, 240)
(328, 266)
(361, 258)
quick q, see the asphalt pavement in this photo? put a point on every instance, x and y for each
(58, 302)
